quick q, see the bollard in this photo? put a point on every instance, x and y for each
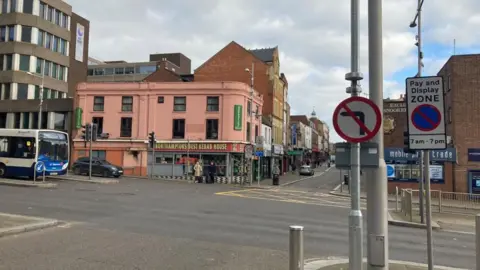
(477, 240)
(296, 248)
(440, 195)
(396, 198)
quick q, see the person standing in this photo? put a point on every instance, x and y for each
(212, 170)
(198, 172)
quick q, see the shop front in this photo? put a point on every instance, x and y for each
(262, 163)
(403, 169)
(177, 160)
(277, 156)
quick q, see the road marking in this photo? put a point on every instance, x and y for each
(305, 178)
(459, 232)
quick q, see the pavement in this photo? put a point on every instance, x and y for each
(26, 183)
(342, 263)
(144, 224)
(81, 178)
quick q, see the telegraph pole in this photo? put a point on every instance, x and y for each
(377, 188)
(355, 216)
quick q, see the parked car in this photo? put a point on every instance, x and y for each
(100, 167)
(306, 170)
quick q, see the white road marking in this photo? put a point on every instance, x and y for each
(305, 178)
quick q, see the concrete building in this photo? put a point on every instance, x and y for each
(122, 71)
(230, 63)
(44, 46)
(193, 121)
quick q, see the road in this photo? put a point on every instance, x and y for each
(143, 224)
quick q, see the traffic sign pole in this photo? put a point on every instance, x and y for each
(377, 186)
(355, 217)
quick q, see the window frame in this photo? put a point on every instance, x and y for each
(126, 131)
(208, 129)
(21, 62)
(177, 102)
(96, 102)
(127, 106)
(215, 106)
(23, 36)
(175, 130)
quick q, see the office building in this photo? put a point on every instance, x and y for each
(43, 55)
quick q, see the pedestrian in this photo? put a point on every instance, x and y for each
(198, 172)
(212, 170)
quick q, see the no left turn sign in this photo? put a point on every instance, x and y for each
(357, 119)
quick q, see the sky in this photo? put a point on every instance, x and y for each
(313, 38)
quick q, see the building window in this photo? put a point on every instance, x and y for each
(40, 63)
(22, 91)
(58, 15)
(7, 89)
(46, 93)
(213, 104)
(13, 5)
(212, 129)
(109, 71)
(41, 38)
(5, 7)
(48, 41)
(46, 68)
(3, 33)
(98, 104)
(256, 131)
(11, 32)
(56, 42)
(54, 70)
(129, 70)
(50, 13)
(37, 92)
(180, 104)
(63, 46)
(249, 108)
(249, 132)
(99, 71)
(9, 62)
(178, 130)
(99, 122)
(27, 34)
(42, 10)
(59, 121)
(24, 62)
(17, 120)
(3, 120)
(64, 21)
(161, 100)
(126, 127)
(127, 104)
(61, 73)
(28, 6)
(25, 120)
(100, 154)
(118, 71)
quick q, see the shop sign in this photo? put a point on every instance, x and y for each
(396, 153)
(277, 149)
(200, 147)
(295, 153)
(474, 154)
(237, 117)
(394, 107)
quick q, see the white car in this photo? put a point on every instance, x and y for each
(306, 170)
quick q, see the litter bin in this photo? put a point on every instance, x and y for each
(345, 179)
(276, 180)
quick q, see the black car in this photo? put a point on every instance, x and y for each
(99, 167)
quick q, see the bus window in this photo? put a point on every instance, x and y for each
(21, 147)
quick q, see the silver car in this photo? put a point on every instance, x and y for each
(306, 170)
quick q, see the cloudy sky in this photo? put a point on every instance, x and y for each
(313, 37)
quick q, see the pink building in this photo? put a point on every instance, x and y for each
(206, 121)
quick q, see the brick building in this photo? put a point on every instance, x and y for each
(461, 75)
(231, 62)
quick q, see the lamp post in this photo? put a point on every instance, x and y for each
(250, 102)
(40, 105)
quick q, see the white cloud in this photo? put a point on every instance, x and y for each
(313, 37)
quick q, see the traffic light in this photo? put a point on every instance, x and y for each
(86, 132)
(406, 144)
(94, 132)
(151, 139)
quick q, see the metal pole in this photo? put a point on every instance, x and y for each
(154, 159)
(258, 171)
(355, 215)
(252, 78)
(426, 173)
(40, 107)
(90, 153)
(377, 189)
(419, 74)
(188, 157)
(296, 248)
(477, 237)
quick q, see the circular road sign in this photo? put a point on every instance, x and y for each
(357, 119)
(426, 117)
(39, 166)
(248, 151)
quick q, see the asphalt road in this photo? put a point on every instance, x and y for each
(142, 224)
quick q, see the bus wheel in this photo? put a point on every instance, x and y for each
(3, 170)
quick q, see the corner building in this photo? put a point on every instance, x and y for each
(193, 121)
(43, 46)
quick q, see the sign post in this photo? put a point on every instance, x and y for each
(356, 119)
(426, 130)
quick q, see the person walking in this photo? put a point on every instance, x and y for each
(198, 172)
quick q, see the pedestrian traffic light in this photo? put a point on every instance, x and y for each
(406, 144)
(151, 139)
(94, 132)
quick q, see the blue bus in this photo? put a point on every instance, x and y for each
(24, 150)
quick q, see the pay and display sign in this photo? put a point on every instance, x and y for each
(426, 113)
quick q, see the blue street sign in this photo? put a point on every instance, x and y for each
(426, 117)
(390, 171)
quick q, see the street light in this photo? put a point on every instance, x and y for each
(40, 105)
(250, 102)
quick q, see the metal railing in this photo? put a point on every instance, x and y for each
(35, 171)
(442, 201)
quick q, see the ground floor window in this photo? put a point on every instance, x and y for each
(401, 171)
(238, 164)
(220, 162)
